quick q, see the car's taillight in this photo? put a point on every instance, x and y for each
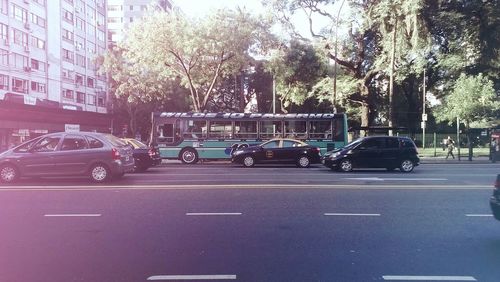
(151, 152)
(115, 154)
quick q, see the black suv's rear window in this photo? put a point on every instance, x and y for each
(407, 143)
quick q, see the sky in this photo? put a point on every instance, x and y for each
(202, 8)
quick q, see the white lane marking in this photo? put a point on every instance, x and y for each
(212, 213)
(395, 179)
(479, 215)
(74, 215)
(192, 277)
(428, 278)
(352, 214)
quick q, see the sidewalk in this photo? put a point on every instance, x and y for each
(463, 160)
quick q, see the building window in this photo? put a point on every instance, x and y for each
(38, 87)
(4, 7)
(90, 82)
(38, 43)
(37, 20)
(90, 14)
(100, 19)
(91, 99)
(131, 7)
(67, 94)
(37, 65)
(19, 85)
(69, 1)
(144, 7)
(67, 74)
(79, 79)
(80, 60)
(91, 30)
(101, 36)
(80, 24)
(80, 97)
(19, 13)
(20, 38)
(114, 8)
(19, 61)
(67, 55)
(41, 2)
(68, 16)
(131, 19)
(4, 57)
(4, 33)
(67, 35)
(4, 82)
(101, 102)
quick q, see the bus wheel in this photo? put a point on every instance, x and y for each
(189, 156)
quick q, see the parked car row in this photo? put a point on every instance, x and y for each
(99, 156)
(103, 156)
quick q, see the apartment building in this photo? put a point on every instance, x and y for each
(122, 13)
(48, 77)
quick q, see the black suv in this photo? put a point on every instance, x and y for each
(375, 151)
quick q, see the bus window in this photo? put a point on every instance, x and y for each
(270, 129)
(320, 129)
(295, 129)
(221, 129)
(194, 129)
(338, 128)
(245, 129)
(166, 133)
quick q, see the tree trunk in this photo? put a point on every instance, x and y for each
(469, 143)
(391, 78)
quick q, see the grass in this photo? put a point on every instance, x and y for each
(464, 152)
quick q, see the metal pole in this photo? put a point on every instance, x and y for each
(434, 144)
(423, 115)
(274, 95)
(458, 137)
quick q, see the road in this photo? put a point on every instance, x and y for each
(227, 223)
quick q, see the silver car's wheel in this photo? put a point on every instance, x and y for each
(99, 173)
(189, 156)
(248, 161)
(406, 166)
(303, 161)
(345, 165)
(8, 174)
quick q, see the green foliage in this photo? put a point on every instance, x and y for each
(199, 52)
(472, 100)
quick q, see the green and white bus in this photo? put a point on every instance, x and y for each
(192, 136)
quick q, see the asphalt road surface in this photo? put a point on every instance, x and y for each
(222, 222)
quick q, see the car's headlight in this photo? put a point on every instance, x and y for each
(334, 155)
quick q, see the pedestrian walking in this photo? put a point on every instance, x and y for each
(494, 150)
(450, 144)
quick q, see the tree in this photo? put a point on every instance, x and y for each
(358, 50)
(296, 69)
(472, 100)
(403, 39)
(199, 52)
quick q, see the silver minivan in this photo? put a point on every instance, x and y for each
(100, 156)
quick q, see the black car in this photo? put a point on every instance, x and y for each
(278, 151)
(388, 152)
(144, 156)
(495, 199)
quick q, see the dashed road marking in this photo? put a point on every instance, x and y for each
(427, 278)
(74, 215)
(352, 214)
(212, 213)
(479, 215)
(192, 277)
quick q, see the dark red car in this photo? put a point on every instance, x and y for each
(278, 151)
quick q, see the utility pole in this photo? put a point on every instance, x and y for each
(424, 115)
